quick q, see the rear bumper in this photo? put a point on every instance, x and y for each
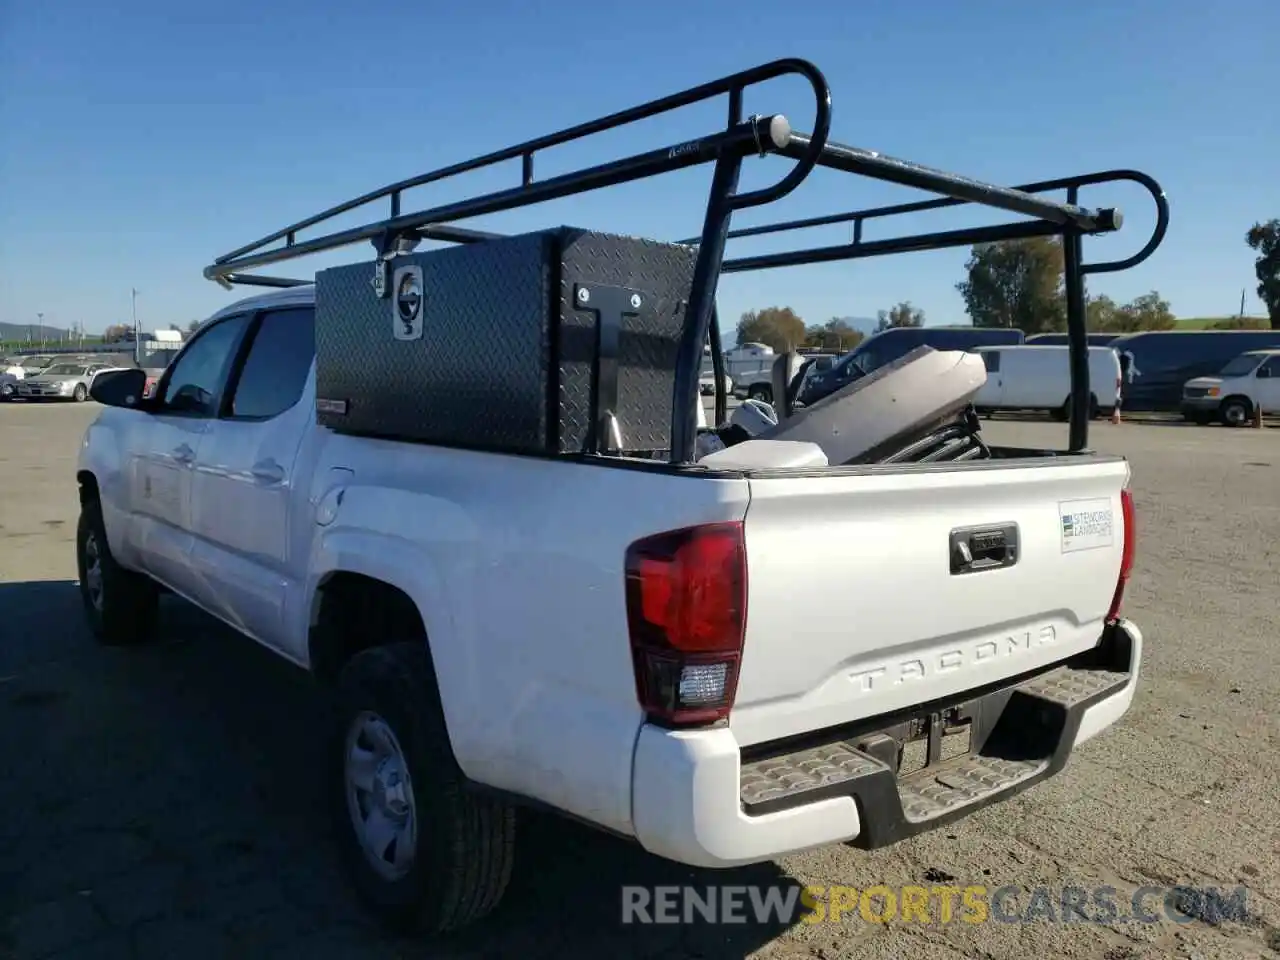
(696, 801)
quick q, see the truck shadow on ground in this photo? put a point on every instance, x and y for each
(199, 761)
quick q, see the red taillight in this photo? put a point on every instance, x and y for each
(686, 610)
(1126, 553)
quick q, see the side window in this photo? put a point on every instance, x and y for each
(1270, 368)
(276, 368)
(991, 359)
(197, 377)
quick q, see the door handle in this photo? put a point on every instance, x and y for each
(183, 453)
(267, 471)
(974, 549)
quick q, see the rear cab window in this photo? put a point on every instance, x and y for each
(276, 369)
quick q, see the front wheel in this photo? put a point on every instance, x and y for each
(80, 394)
(120, 605)
(425, 853)
(1235, 411)
(760, 391)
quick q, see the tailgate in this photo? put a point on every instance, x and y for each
(854, 608)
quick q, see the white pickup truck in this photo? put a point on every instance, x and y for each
(495, 624)
(649, 649)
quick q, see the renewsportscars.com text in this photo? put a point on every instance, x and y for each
(930, 905)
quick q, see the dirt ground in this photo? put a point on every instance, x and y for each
(162, 802)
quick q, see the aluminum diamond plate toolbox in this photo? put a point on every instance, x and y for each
(518, 344)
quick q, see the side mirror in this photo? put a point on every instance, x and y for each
(120, 388)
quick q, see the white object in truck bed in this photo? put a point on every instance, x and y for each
(923, 388)
(766, 455)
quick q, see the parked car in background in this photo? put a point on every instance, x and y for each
(61, 381)
(887, 346)
(1061, 340)
(34, 363)
(1034, 377)
(1247, 383)
(11, 371)
(707, 382)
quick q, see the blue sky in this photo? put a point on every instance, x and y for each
(142, 139)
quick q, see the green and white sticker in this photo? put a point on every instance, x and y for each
(1086, 524)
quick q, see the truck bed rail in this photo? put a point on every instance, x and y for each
(727, 148)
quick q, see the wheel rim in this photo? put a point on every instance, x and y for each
(1235, 414)
(380, 796)
(93, 571)
(81, 393)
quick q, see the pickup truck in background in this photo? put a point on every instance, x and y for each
(612, 638)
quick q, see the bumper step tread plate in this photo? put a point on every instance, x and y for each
(940, 790)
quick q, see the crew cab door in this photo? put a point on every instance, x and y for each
(163, 453)
(250, 486)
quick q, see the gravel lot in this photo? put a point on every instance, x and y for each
(162, 802)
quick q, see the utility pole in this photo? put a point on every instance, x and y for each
(40, 319)
(133, 297)
(1242, 292)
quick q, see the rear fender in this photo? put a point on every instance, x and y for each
(410, 568)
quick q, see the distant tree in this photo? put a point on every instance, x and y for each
(115, 333)
(1147, 312)
(901, 315)
(1100, 313)
(836, 334)
(1265, 238)
(192, 327)
(1016, 283)
(779, 327)
(1240, 323)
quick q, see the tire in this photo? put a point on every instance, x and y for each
(1063, 413)
(80, 394)
(120, 605)
(760, 391)
(6, 391)
(461, 844)
(1235, 412)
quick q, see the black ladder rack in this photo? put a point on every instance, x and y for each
(727, 148)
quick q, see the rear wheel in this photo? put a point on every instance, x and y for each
(1235, 411)
(1063, 413)
(760, 391)
(119, 604)
(425, 853)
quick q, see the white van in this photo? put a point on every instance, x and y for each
(1249, 382)
(1029, 377)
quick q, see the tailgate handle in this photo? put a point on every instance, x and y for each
(974, 549)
